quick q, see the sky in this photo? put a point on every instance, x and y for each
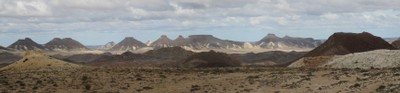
(96, 22)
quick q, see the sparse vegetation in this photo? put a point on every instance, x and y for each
(212, 80)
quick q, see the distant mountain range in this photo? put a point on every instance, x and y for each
(271, 41)
(192, 42)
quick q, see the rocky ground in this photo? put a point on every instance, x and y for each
(365, 60)
(201, 80)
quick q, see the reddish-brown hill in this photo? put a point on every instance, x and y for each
(345, 43)
(340, 44)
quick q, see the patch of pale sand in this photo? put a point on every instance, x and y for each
(328, 84)
(298, 63)
(258, 50)
(249, 50)
(319, 82)
(366, 60)
(143, 50)
(371, 87)
(68, 53)
(38, 60)
(311, 61)
(219, 82)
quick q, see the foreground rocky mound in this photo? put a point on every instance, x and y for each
(128, 44)
(26, 44)
(341, 44)
(33, 60)
(396, 44)
(210, 59)
(64, 44)
(366, 60)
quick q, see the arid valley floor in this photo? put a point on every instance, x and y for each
(211, 80)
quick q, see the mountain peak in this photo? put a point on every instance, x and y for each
(128, 44)
(163, 41)
(341, 43)
(194, 36)
(56, 38)
(68, 38)
(164, 37)
(27, 38)
(270, 35)
(65, 44)
(128, 38)
(180, 37)
(25, 44)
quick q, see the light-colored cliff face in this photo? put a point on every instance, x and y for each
(365, 60)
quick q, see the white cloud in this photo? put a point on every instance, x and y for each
(31, 16)
(179, 10)
(330, 16)
(24, 8)
(281, 21)
(138, 13)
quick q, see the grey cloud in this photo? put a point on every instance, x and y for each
(23, 8)
(179, 15)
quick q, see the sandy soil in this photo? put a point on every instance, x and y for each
(210, 80)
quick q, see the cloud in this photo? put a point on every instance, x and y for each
(23, 8)
(330, 16)
(117, 16)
